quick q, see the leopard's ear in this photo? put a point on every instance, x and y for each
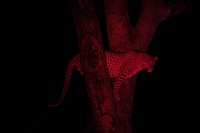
(156, 58)
(149, 69)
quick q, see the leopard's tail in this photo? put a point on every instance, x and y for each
(74, 62)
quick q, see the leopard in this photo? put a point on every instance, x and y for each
(120, 66)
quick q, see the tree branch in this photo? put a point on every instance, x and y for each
(151, 15)
(123, 37)
(153, 12)
(118, 25)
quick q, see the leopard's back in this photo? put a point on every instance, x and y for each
(114, 62)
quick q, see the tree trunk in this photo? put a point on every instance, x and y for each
(94, 68)
(111, 116)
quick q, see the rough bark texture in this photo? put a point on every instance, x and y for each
(110, 115)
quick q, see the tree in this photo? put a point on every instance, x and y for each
(110, 115)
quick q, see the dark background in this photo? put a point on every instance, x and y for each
(40, 41)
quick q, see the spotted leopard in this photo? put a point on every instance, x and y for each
(121, 66)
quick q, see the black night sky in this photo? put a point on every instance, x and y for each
(40, 41)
